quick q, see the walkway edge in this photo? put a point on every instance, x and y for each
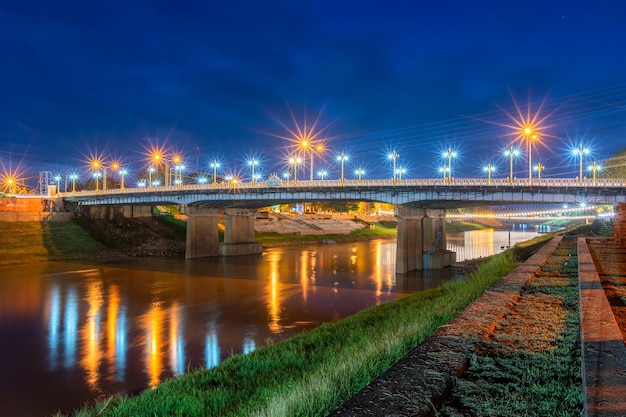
(603, 350)
(445, 354)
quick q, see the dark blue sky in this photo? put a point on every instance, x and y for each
(112, 77)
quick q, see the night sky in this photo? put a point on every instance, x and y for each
(227, 79)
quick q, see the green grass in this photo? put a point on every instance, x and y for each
(462, 226)
(30, 242)
(377, 231)
(312, 373)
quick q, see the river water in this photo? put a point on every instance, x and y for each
(72, 333)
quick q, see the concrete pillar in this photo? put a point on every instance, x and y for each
(436, 255)
(202, 232)
(409, 251)
(239, 233)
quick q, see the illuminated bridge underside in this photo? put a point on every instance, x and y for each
(430, 197)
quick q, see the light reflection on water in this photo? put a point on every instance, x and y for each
(83, 332)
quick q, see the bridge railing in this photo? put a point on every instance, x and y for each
(356, 183)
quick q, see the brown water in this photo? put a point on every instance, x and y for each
(71, 333)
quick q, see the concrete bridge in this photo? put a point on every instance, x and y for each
(420, 207)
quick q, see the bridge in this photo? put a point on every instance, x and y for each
(420, 207)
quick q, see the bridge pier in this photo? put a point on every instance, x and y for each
(239, 233)
(421, 240)
(202, 232)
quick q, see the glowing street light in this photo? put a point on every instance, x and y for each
(530, 136)
(215, 165)
(58, 180)
(580, 152)
(595, 167)
(359, 173)
(73, 178)
(178, 170)
(253, 162)
(322, 174)
(117, 167)
(539, 167)
(511, 153)
(444, 171)
(449, 154)
(342, 157)
(151, 170)
(394, 157)
(295, 161)
(489, 169)
(400, 172)
(96, 165)
(97, 176)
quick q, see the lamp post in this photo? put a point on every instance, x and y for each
(449, 154)
(580, 152)
(150, 171)
(58, 180)
(322, 173)
(253, 162)
(530, 136)
(539, 168)
(401, 171)
(394, 157)
(359, 173)
(295, 161)
(595, 167)
(97, 177)
(443, 171)
(511, 152)
(215, 165)
(73, 177)
(342, 157)
(489, 169)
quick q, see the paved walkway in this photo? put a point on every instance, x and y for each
(419, 383)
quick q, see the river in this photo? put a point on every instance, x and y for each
(72, 333)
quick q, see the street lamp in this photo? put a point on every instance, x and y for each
(295, 161)
(511, 153)
(394, 157)
(322, 173)
(73, 178)
(489, 169)
(580, 152)
(342, 157)
(449, 154)
(530, 136)
(58, 180)
(539, 167)
(400, 171)
(97, 175)
(253, 162)
(150, 171)
(443, 171)
(359, 172)
(595, 167)
(215, 165)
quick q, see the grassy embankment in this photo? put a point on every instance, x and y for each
(30, 242)
(312, 373)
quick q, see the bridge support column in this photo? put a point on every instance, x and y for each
(202, 232)
(239, 233)
(409, 251)
(436, 256)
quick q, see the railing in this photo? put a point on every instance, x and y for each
(366, 183)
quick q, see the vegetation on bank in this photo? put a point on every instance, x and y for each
(30, 242)
(312, 373)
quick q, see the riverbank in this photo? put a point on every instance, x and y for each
(312, 373)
